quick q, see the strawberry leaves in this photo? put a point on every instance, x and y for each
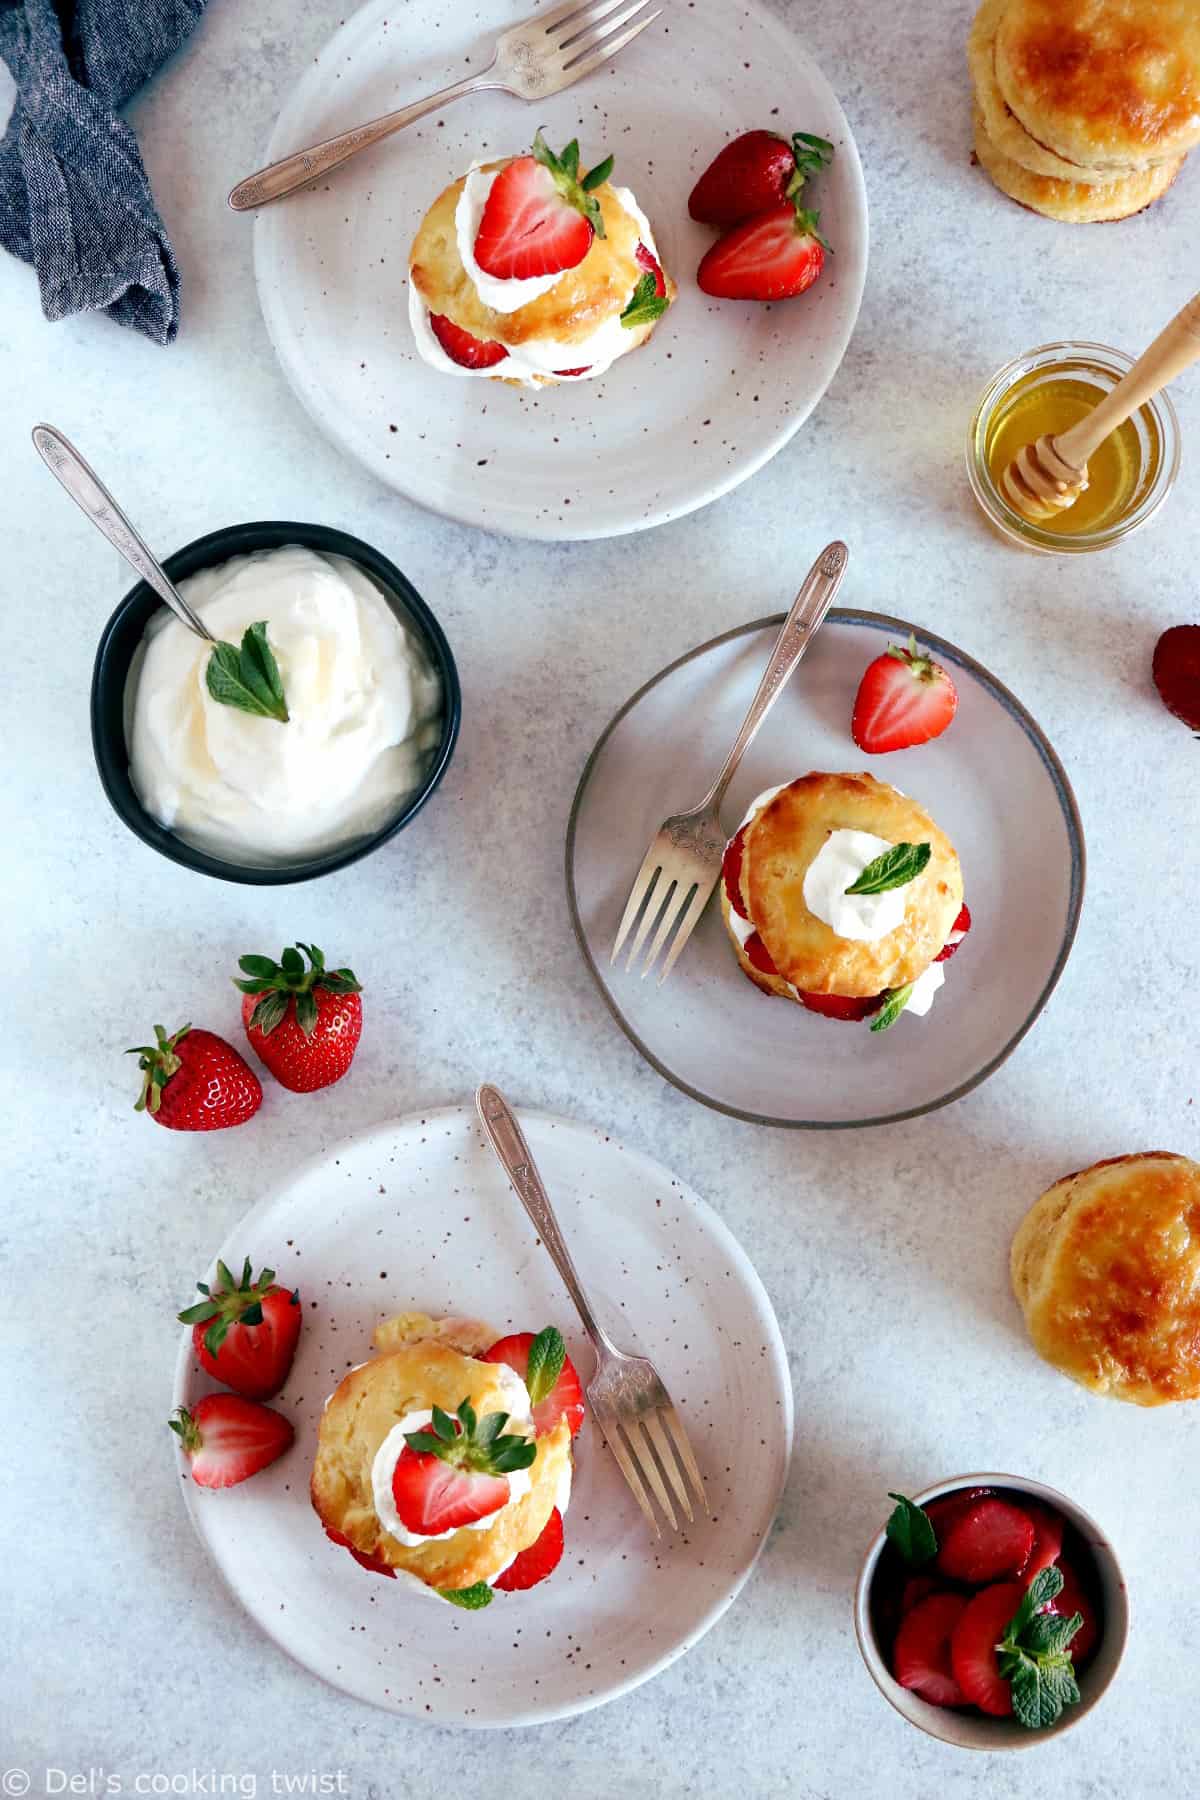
(158, 1062)
(547, 1353)
(248, 678)
(476, 1446)
(280, 983)
(564, 171)
(1034, 1654)
(893, 868)
(233, 1302)
(911, 1530)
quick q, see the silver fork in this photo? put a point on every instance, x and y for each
(628, 1400)
(683, 864)
(542, 55)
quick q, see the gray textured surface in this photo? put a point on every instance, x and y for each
(884, 1253)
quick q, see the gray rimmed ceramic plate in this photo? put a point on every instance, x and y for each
(992, 782)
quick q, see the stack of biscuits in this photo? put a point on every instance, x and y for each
(1085, 110)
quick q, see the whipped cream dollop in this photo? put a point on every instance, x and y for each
(537, 356)
(865, 918)
(363, 699)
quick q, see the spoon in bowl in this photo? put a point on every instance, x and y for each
(92, 497)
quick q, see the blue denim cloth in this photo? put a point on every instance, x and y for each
(74, 198)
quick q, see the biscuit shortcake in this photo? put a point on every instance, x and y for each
(446, 1459)
(531, 270)
(840, 893)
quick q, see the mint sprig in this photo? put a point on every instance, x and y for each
(911, 1530)
(1034, 1654)
(547, 1353)
(895, 1003)
(471, 1598)
(893, 868)
(645, 303)
(248, 678)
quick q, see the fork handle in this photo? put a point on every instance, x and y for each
(303, 166)
(808, 610)
(508, 1141)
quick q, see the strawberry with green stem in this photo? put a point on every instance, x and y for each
(755, 172)
(227, 1438)
(541, 215)
(304, 1022)
(454, 1471)
(195, 1081)
(244, 1333)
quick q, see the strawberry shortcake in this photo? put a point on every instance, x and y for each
(841, 893)
(445, 1461)
(531, 270)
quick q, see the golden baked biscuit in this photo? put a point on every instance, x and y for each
(360, 1414)
(1071, 202)
(1106, 1266)
(1105, 84)
(471, 1336)
(579, 302)
(1003, 128)
(784, 839)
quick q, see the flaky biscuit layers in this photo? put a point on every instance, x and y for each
(1073, 202)
(1106, 1267)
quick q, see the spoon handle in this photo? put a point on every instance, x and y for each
(1173, 350)
(92, 497)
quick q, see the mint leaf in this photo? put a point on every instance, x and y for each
(893, 868)
(911, 1530)
(646, 303)
(1034, 1655)
(1044, 1588)
(469, 1598)
(248, 678)
(1033, 1703)
(1047, 1634)
(547, 1353)
(893, 1006)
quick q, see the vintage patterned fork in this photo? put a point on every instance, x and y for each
(628, 1400)
(683, 864)
(542, 55)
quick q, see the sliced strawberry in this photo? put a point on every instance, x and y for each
(905, 698)
(843, 1006)
(918, 1588)
(549, 1374)
(540, 218)
(1073, 1598)
(467, 351)
(1176, 671)
(541, 1559)
(756, 171)
(582, 371)
(990, 1542)
(973, 1647)
(244, 1333)
(376, 1564)
(758, 956)
(774, 256)
(454, 1472)
(921, 1655)
(1047, 1539)
(227, 1439)
(945, 1512)
(731, 871)
(958, 932)
(647, 260)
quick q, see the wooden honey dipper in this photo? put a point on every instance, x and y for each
(1049, 476)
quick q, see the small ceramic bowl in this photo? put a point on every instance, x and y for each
(972, 1730)
(124, 632)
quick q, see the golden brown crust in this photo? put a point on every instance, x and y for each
(597, 289)
(1106, 1267)
(1004, 129)
(785, 838)
(1105, 84)
(770, 984)
(365, 1407)
(1071, 202)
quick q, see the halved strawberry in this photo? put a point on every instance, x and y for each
(904, 698)
(245, 1332)
(990, 1542)
(843, 1006)
(1073, 1597)
(549, 1374)
(918, 1588)
(958, 932)
(540, 217)
(1176, 671)
(454, 1472)
(647, 260)
(541, 1559)
(376, 1564)
(756, 171)
(731, 871)
(921, 1654)
(1047, 1540)
(774, 256)
(467, 351)
(758, 956)
(945, 1512)
(973, 1647)
(227, 1439)
(582, 371)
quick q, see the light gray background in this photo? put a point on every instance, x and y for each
(885, 1252)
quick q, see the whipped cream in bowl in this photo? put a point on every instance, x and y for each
(371, 695)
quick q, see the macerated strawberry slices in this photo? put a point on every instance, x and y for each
(540, 216)
(541, 1559)
(548, 1373)
(454, 1472)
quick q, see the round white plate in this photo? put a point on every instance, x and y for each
(721, 386)
(418, 1213)
(993, 784)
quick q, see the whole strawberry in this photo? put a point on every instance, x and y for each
(195, 1081)
(755, 172)
(304, 1023)
(244, 1332)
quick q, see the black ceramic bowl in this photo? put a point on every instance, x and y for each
(124, 633)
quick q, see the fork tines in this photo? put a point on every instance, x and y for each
(574, 28)
(647, 1457)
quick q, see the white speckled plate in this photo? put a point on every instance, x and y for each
(721, 386)
(993, 784)
(418, 1213)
